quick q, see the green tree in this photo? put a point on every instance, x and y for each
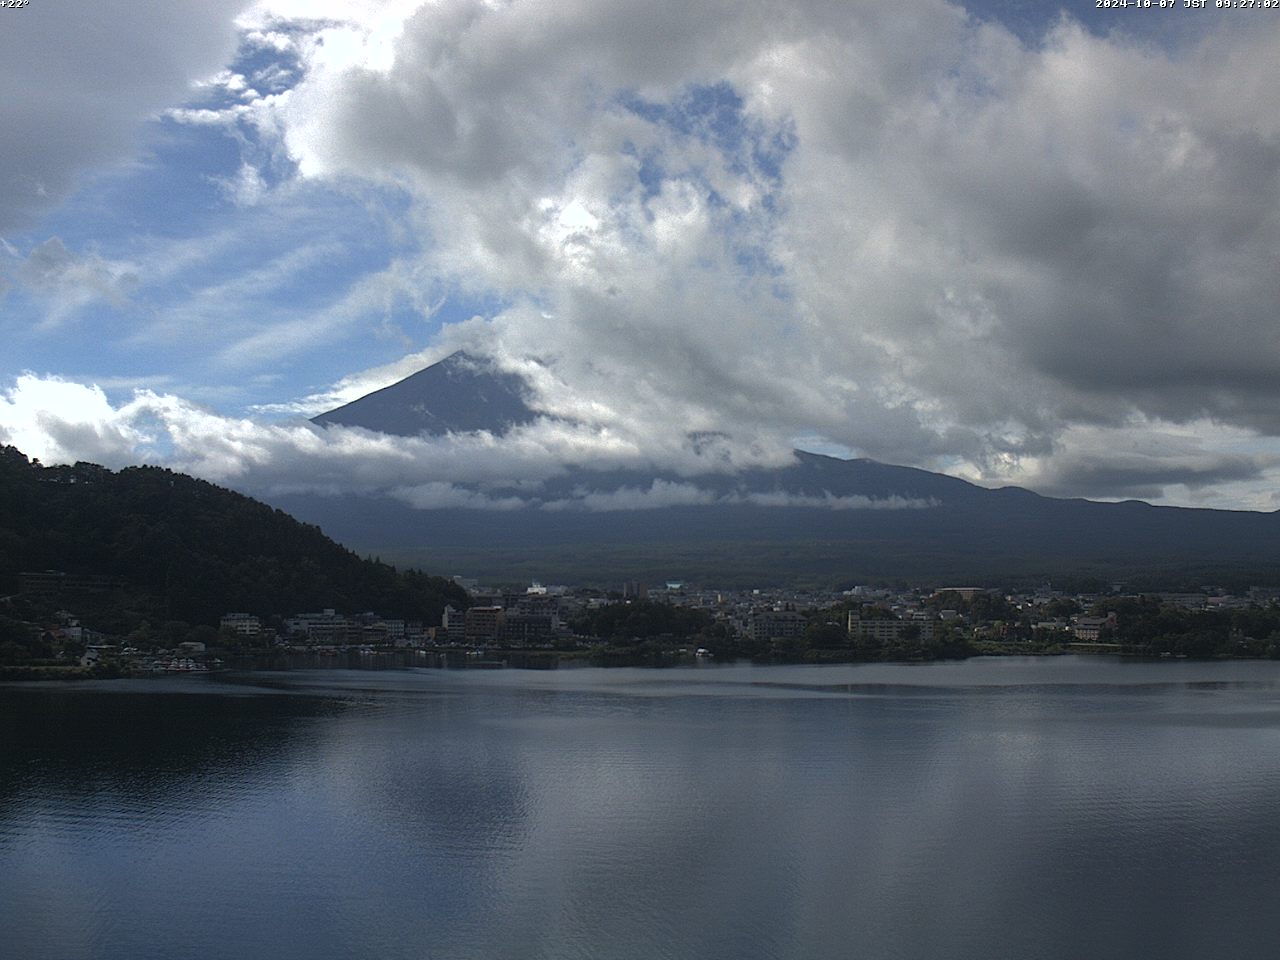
(826, 635)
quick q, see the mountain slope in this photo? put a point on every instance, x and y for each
(819, 518)
(957, 532)
(460, 393)
(189, 550)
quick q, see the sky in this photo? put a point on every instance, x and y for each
(1019, 242)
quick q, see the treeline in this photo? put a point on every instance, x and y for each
(649, 627)
(826, 638)
(1154, 627)
(182, 549)
(643, 620)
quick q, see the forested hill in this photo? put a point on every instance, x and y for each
(190, 550)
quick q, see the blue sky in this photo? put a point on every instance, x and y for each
(1021, 242)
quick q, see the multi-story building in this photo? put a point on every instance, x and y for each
(454, 623)
(965, 593)
(528, 629)
(888, 631)
(484, 624)
(325, 627)
(775, 624)
(244, 624)
(393, 629)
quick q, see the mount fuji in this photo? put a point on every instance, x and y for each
(817, 520)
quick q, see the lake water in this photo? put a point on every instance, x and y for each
(1008, 808)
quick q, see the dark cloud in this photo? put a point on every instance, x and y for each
(79, 79)
(1119, 475)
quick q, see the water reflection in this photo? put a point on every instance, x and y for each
(1052, 809)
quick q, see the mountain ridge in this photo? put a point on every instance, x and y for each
(818, 516)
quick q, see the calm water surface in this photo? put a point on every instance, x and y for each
(1046, 808)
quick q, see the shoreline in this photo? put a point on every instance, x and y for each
(497, 658)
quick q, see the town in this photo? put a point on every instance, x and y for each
(544, 625)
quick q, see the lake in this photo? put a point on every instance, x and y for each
(1065, 807)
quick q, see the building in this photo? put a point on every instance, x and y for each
(392, 630)
(484, 624)
(325, 627)
(965, 593)
(243, 624)
(528, 629)
(1089, 629)
(888, 631)
(775, 625)
(455, 625)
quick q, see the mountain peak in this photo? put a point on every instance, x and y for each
(459, 394)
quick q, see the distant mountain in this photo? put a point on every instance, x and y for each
(941, 529)
(819, 520)
(184, 549)
(459, 394)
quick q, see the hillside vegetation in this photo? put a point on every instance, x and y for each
(179, 548)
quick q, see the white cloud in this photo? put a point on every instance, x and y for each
(60, 422)
(247, 188)
(44, 417)
(446, 496)
(659, 494)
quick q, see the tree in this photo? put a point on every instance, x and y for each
(826, 634)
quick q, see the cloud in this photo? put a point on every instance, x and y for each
(82, 77)
(905, 232)
(246, 300)
(659, 494)
(910, 233)
(1147, 478)
(64, 282)
(59, 421)
(247, 188)
(1150, 461)
(447, 496)
(375, 294)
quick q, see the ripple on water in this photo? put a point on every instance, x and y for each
(1040, 810)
